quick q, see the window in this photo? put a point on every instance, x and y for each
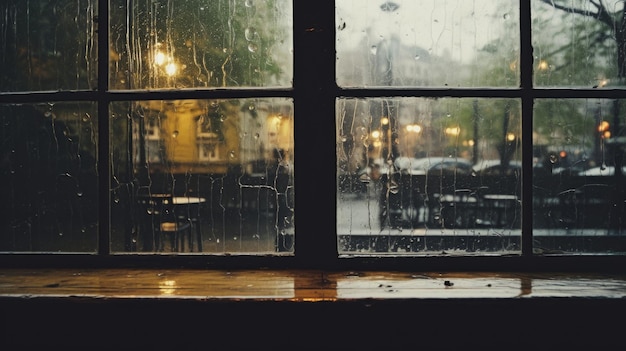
(463, 130)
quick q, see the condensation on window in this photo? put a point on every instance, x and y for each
(450, 43)
(48, 177)
(578, 43)
(203, 176)
(200, 44)
(48, 45)
(578, 179)
(428, 176)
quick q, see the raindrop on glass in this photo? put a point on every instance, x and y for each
(175, 134)
(553, 159)
(252, 47)
(251, 34)
(231, 154)
(506, 16)
(365, 178)
(393, 188)
(249, 3)
(374, 49)
(256, 136)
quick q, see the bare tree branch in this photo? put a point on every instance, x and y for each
(602, 14)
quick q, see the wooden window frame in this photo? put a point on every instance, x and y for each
(314, 93)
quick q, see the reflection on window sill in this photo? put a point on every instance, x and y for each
(303, 285)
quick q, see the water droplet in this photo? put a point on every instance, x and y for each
(235, 238)
(365, 178)
(553, 159)
(251, 107)
(344, 138)
(86, 117)
(417, 57)
(251, 34)
(374, 49)
(60, 233)
(256, 136)
(232, 154)
(79, 194)
(252, 47)
(393, 188)
(506, 16)
(249, 3)
(175, 134)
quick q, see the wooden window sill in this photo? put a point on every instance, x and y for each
(299, 285)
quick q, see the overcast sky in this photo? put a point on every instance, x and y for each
(457, 27)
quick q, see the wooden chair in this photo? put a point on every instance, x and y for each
(160, 214)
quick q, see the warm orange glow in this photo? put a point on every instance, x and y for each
(603, 126)
(413, 128)
(543, 65)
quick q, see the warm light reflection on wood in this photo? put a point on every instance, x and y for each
(295, 285)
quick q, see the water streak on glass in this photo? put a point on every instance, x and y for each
(578, 179)
(200, 44)
(48, 45)
(427, 43)
(48, 177)
(578, 43)
(428, 176)
(203, 176)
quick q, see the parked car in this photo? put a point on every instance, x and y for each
(601, 171)
(431, 165)
(492, 167)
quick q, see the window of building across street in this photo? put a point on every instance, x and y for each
(397, 131)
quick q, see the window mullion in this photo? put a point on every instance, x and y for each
(526, 84)
(315, 92)
(104, 166)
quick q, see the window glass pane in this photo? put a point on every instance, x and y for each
(578, 195)
(577, 43)
(48, 177)
(427, 43)
(427, 176)
(47, 45)
(228, 164)
(201, 44)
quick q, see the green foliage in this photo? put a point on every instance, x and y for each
(225, 43)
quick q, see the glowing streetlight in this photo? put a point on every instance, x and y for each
(414, 128)
(453, 131)
(171, 69)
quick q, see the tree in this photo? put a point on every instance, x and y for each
(608, 27)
